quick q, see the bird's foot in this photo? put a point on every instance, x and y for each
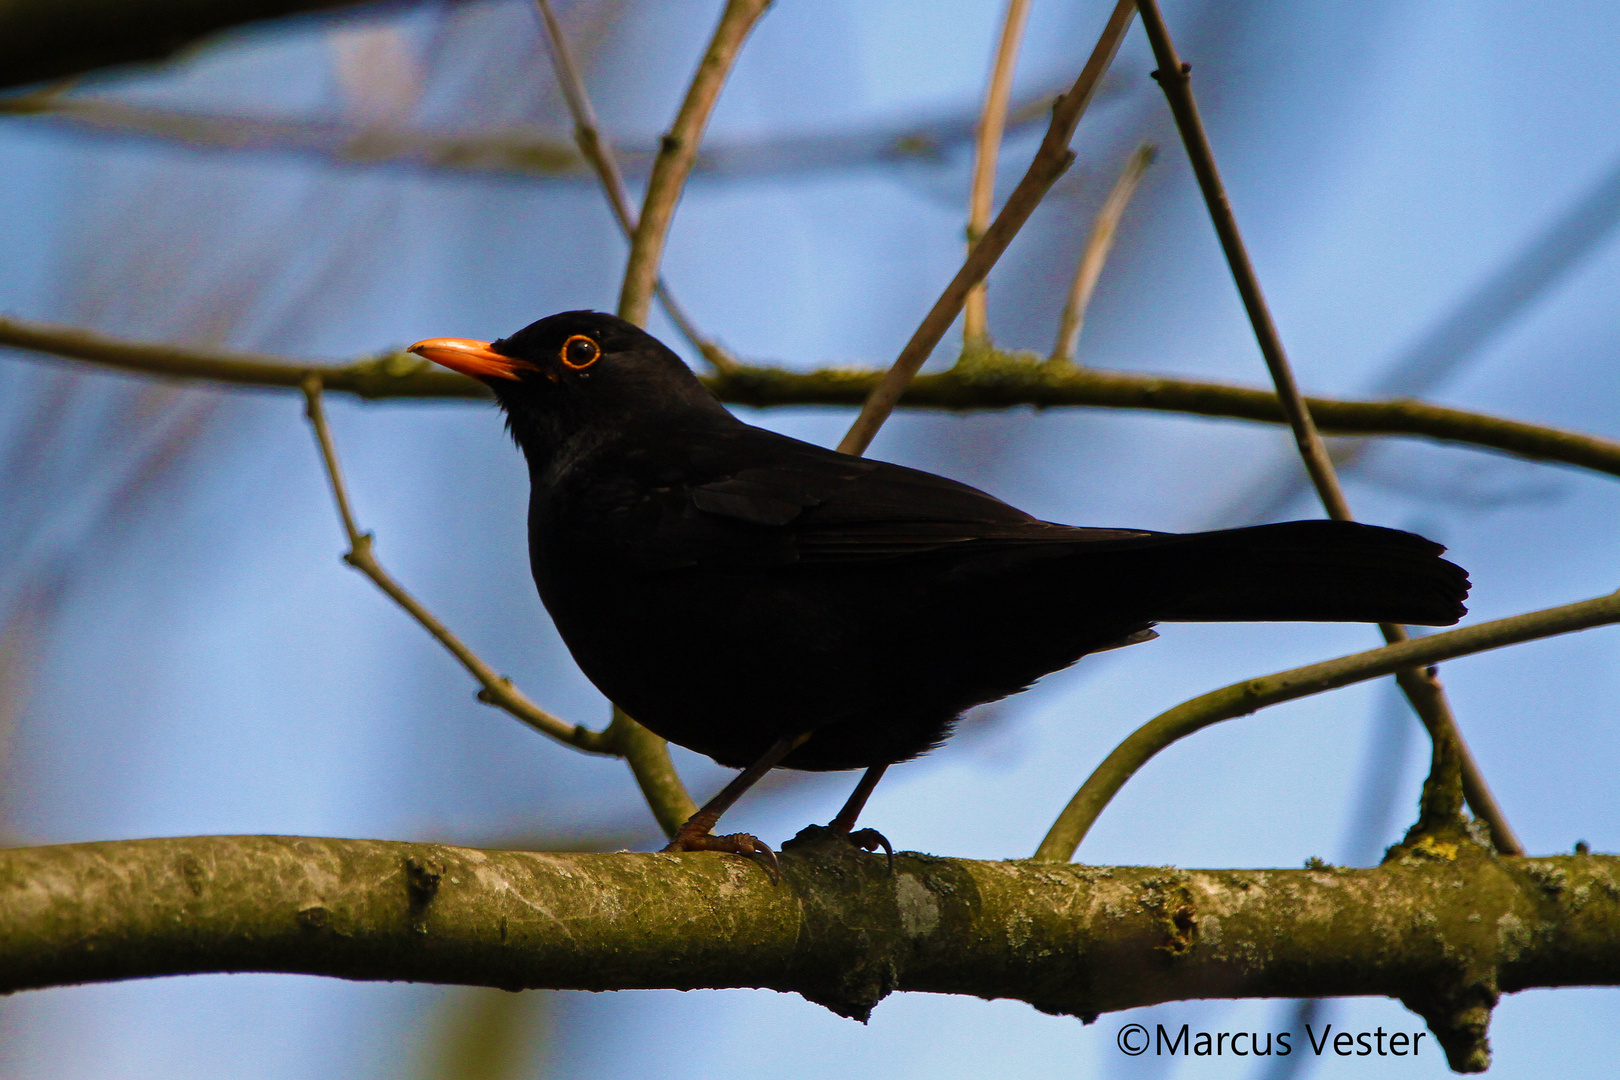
(749, 847)
(871, 840)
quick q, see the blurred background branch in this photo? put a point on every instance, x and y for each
(1092, 257)
(503, 152)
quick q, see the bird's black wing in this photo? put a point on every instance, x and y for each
(756, 497)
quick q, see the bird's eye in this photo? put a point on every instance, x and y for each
(580, 352)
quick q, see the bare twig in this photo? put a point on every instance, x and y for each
(1174, 77)
(600, 156)
(676, 155)
(647, 754)
(1241, 699)
(992, 381)
(1095, 253)
(497, 689)
(987, 147)
(1051, 161)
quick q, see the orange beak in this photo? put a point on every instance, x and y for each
(470, 357)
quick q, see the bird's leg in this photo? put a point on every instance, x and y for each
(865, 839)
(695, 835)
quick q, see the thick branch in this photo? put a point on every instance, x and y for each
(839, 929)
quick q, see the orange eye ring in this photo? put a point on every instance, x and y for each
(579, 352)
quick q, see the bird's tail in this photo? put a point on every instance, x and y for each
(1305, 571)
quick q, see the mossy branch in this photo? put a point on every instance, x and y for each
(985, 380)
(839, 929)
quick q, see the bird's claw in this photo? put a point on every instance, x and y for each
(871, 840)
(749, 847)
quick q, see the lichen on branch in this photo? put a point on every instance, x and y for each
(839, 929)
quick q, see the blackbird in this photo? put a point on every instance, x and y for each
(768, 602)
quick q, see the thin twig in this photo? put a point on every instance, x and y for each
(676, 155)
(987, 147)
(1241, 699)
(1051, 161)
(599, 154)
(1174, 77)
(992, 381)
(1095, 253)
(497, 690)
(647, 754)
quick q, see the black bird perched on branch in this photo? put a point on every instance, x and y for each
(769, 602)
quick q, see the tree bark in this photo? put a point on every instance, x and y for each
(1444, 926)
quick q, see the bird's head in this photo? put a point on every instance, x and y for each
(577, 373)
